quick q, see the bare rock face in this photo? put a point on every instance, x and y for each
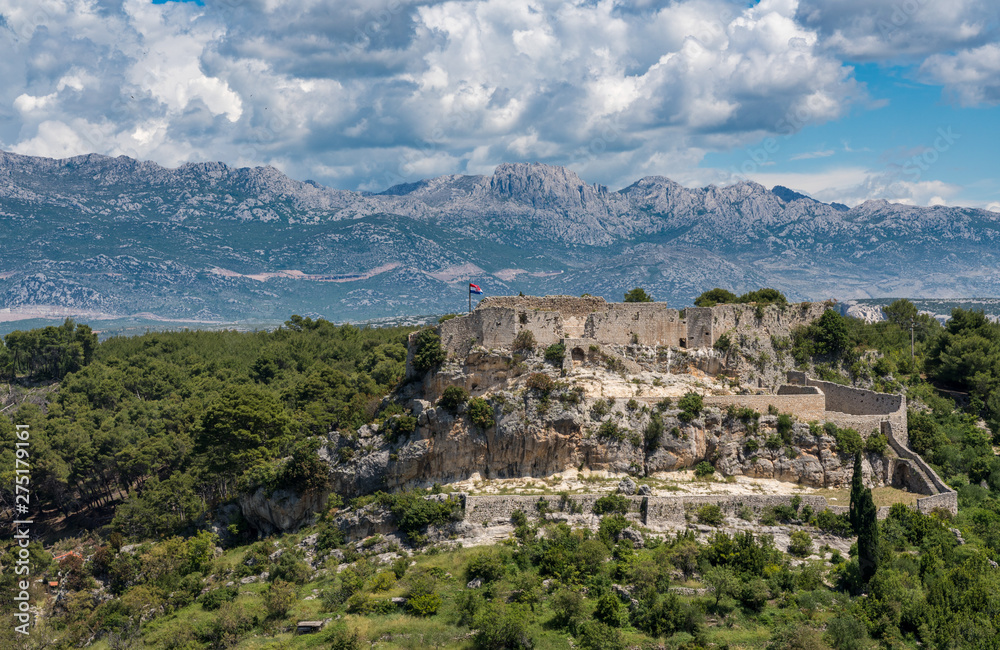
(365, 522)
(280, 511)
(548, 418)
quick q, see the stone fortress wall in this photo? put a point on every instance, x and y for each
(580, 322)
(497, 320)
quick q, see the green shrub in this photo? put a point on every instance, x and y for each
(412, 512)
(330, 537)
(424, 604)
(568, 605)
(539, 381)
(691, 405)
(801, 544)
(610, 430)
(555, 353)
(481, 413)
(664, 404)
(384, 581)
(849, 441)
(291, 568)
(340, 637)
(785, 428)
(524, 341)
(611, 503)
(764, 297)
(752, 446)
(651, 436)
(637, 295)
(428, 352)
(704, 469)
(754, 594)
(360, 603)
(876, 443)
(830, 522)
(278, 599)
(609, 610)
(611, 527)
(714, 297)
(452, 398)
(502, 627)
(400, 426)
(710, 515)
(213, 599)
(487, 564)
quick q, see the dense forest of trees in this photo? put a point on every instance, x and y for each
(169, 423)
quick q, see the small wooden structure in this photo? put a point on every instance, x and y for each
(308, 627)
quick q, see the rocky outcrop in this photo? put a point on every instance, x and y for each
(538, 436)
(281, 510)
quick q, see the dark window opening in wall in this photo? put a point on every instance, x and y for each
(684, 343)
(578, 355)
(523, 317)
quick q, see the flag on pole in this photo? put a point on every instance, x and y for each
(475, 289)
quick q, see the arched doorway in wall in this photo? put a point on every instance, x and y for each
(901, 476)
(578, 356)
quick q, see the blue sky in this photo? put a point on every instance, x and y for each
(846, 100)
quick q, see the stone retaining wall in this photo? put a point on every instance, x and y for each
(659, 511)
(805, 407)
(491, 509)
(946, 497)
(857, 408)
(666, 511)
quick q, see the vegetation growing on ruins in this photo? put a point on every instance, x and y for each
(637, 295)
(718, 296)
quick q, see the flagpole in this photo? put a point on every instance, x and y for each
(470, 300)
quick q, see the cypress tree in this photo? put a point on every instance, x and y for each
(867, 536)
(857, 490)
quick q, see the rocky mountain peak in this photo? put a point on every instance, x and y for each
(788, 195)
(542, 186)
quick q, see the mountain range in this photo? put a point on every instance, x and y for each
(97, 236)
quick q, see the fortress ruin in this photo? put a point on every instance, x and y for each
(589, 327)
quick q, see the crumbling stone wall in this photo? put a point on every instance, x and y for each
(701, 332)
(498, 319)
(804, 407)
(565, 305)
(649, 323)
(860, 409)
(777, 320)
(664, 511)
(499, 509)
(497, 327)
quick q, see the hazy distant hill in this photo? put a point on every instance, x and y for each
(208, 242)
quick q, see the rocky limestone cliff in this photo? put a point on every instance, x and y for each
(593, 418)
(281, 510)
